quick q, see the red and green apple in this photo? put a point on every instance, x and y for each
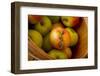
(55, 25)
(33, 19)
(60, 38)
(70, 21)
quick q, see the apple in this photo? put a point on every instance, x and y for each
(57, 54)
(68, 52)
(44, 26)
(46, 43)
(33, 19)
(73, 35)
(60, 38)
(54, 19)
(70, 21)
(36, 37)
(55, 25)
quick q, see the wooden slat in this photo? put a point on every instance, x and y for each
(31, 56)
(36, 51)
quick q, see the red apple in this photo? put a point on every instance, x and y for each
(60, 38)
(70, 21)
(33, 19)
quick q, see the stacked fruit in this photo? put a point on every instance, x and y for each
(54, 34)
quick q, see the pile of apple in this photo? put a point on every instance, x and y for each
(54, 34)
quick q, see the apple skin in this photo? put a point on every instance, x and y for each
(57, 54)
(68, 52)
(70, 21)
(54, 19)
(55, 25)
(36, 37)
(46, 43)
(60, 38)
(33, 19)
(44, 26)
(73, 35)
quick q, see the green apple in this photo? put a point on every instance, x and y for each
(74, 36)
(60, 38)
(44, 26)
(57, 54)
(33, 19)
(54, 19)
(46, 44)
(36, 37)
(70, 21)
